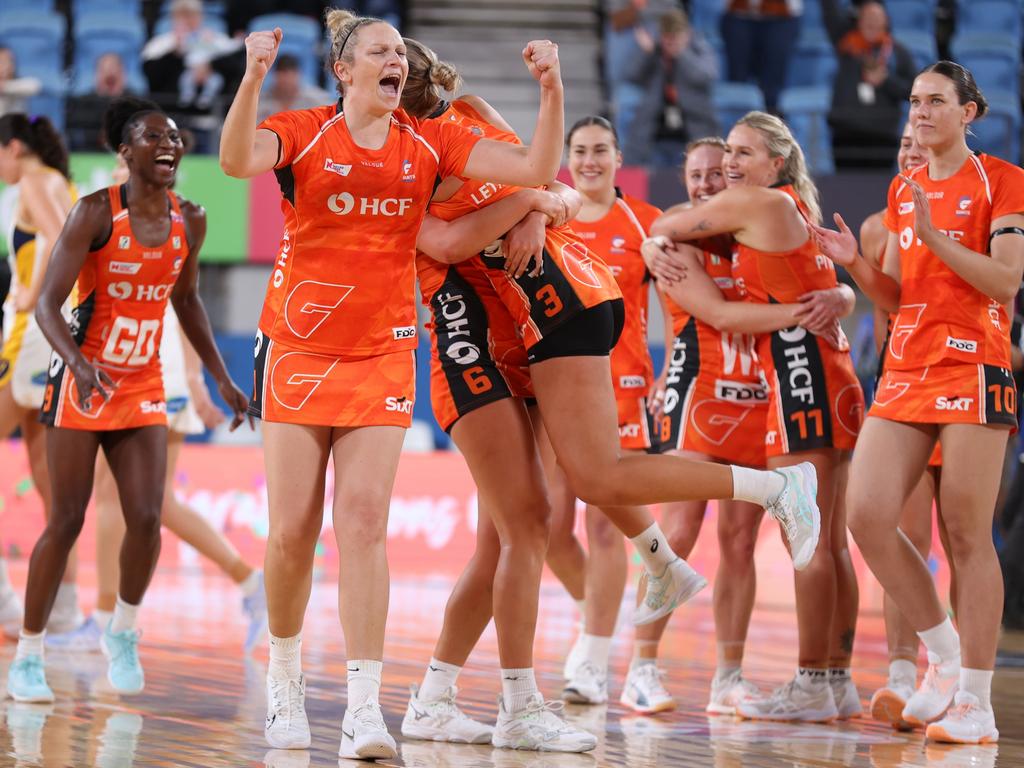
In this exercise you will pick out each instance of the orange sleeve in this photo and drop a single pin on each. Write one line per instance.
(889, 219)
(1007, 190)
(454, 145)
(294, 129)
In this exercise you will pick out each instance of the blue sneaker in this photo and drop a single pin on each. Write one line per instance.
(796, 510)
(26, 681)
(85, 638)
(122, 651)
(255, 607)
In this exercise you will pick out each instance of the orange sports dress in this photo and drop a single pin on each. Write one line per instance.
(573, 278)
(337, 336)
(616, 237)
(715, 399)
(122, 291)
(948, 356)
(814, 397)
(477, 356)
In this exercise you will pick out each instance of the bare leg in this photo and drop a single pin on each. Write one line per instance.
(607, 568)
(565, 557)
(844, 619)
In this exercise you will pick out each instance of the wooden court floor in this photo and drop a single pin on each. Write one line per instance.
(204, 702)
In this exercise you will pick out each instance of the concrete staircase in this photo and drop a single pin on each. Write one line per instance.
(485, 39)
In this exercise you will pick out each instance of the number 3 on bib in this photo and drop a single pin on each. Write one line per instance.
(131, 342)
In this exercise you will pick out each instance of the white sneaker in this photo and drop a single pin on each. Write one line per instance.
(442, 720)
(796, 510)
(643, 691)
(287, 726)
(84, 639)
(364, 735)
(538, 728)
(792, 703)
(887, 704)
(967, 722)
(729, 690)
(11, 614)
(844, 692)
(933, 697)
(573, 659)
(676, 584)
(588, 686)
(64, 618)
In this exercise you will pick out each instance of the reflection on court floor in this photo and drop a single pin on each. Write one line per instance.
(204, 702)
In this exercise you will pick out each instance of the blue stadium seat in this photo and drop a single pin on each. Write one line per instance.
(922, 47)
(911, 16)
(1001, 16)
(733, 100)
(99, 33)
(705, 16)
(384, 9)
(34, 5)
(993, 59)
(49, 103)
(813, 63)
(301, 39)
(806, 111)
(36, 38)
(998, 133)
(216, 23)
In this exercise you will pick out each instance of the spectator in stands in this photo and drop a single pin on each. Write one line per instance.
(14, 91)
(624, 21)
(759, 37)
(871, 86)
(677, 72)
(183, 61)
(85, 112)
(288, 91)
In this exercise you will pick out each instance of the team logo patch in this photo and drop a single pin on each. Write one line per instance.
(124, 242)
(579, 265)
(124, 267)
(177, 264)
(176, 242)
(476, 130)
(407, 174)
(963, 207)
(339, 168)
(618, 243)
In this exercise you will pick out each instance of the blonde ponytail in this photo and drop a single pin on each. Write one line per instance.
(780, 143)
(428, 78)
(343, 26)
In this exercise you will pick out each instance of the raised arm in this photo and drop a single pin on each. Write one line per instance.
(882, 288)
(537, 164)
(48, 216)
(192, 314)
(245, 151)
(722, 214)
(87, 224)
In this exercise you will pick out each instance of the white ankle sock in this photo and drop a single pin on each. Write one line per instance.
(838, 673)
(942, 640)
(596, 650)
(809, 678)
(125, 616)
(102, 618)
(756, 485)
(30, 644)
(285, 657)
(439, 677)
(903, 671)
(250, 583)
(364, 681)
(654, 550)
(518, 686)
(979, 683)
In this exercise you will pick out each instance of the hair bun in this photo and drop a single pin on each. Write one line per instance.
(445, 75)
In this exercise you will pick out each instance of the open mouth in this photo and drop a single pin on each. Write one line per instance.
(391, 85)
(165, 160)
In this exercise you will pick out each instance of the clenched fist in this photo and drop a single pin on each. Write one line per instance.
(260, 52)
(541, 57)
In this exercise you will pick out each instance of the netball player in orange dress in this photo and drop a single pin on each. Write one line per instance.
(953, 261)
(612, 225)
(916, 522)
(335, 370)
(815, 401)
(131, 248)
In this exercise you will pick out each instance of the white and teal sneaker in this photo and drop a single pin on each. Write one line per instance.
(26, 681)
(796, 510)
(254, 606)
(666, 592)
(122, 651)
(83, 639)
